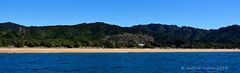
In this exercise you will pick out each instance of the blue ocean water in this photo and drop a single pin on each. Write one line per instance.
(121, 63)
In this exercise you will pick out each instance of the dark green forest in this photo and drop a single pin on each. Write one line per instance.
(106, 35)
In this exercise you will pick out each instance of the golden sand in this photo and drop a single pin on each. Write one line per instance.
(100, 50)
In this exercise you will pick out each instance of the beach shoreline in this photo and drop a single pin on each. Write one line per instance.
(106, 50)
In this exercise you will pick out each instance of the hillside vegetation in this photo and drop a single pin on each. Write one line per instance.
(105, 35)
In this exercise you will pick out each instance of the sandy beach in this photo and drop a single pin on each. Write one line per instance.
(100, 50)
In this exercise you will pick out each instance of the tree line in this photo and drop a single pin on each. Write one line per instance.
(105, 35)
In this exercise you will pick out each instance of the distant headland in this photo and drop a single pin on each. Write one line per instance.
(104, 35)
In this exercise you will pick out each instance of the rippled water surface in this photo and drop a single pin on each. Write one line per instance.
(120, 63)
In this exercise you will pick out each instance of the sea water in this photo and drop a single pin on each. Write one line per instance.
(218, 62)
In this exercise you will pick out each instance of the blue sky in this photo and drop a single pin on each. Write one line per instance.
(208, 14)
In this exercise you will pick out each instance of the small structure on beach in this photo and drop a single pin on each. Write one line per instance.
(141, 45)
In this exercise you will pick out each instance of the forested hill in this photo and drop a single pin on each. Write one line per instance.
(101, 34)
